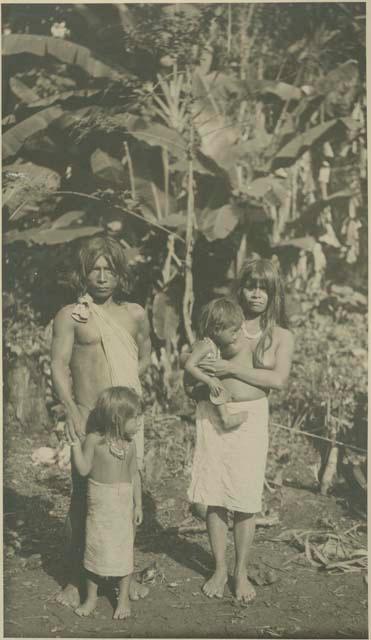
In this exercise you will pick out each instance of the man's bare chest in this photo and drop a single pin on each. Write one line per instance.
(88, 334)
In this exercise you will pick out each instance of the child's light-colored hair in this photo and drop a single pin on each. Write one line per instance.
(114, 407)
(217, 315)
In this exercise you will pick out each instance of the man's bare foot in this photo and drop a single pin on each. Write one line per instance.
(137, 590)
(87, 608)
(214, 587)
(123, 608)
(69, 596)
(244, 591)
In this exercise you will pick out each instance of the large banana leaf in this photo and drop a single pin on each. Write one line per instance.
(158, 135)
(15, 137)
(282, 90)
(24, 184)
(49, 236)
(287, 155)
(68, 218)
(218, 137)
(70, 97)
(22, 91)
(217, 224)
(107, 168)
(63, 50)
(164, 317)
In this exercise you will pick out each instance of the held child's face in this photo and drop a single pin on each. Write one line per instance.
(131, 427)
(228, 336)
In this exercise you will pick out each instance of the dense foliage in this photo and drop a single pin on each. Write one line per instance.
(196, 134)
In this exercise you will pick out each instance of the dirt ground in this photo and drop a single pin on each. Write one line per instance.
(294, 598)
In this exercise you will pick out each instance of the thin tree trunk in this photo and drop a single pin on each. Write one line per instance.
(188, 299)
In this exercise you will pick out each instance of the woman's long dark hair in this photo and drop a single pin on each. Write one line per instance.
(264, 272)
(90, 251)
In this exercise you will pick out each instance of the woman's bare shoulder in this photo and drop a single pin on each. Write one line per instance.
(282, 335)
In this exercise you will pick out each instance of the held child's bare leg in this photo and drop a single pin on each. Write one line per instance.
(231, 420)
(91, 597)
(123, 603)
(217, 528)
(243, 530)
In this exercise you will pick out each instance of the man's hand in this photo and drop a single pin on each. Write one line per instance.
(138, 515)
(75, 426)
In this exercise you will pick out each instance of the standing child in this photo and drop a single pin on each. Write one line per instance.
(114, 504)
(220, 335)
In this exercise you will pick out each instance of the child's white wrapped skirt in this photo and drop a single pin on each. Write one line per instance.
(109, 529)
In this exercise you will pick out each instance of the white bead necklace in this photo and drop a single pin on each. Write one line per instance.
(251, 336)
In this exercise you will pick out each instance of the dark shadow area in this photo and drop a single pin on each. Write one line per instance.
(152, 537)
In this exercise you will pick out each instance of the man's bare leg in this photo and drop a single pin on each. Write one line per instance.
(123, 602)
(217, 528)
(69, 596)
(91, 598)
(137, 590)
(243, 530)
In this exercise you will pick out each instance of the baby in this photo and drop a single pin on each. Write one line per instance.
(220, 335)
(114, 501)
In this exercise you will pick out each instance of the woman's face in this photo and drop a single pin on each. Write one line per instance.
(131, 427)
(255, 296)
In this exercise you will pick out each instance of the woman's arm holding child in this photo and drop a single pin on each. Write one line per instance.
(137, 487)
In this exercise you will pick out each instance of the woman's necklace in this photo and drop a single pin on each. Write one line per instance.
(251, 336)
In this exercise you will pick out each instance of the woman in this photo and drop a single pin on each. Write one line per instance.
(228, 469)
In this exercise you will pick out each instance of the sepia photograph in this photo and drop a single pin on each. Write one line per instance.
(185, 297)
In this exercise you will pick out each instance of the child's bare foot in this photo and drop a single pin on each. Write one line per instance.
(244, 591)
(214, 587)
(137, 590)
(123, 608)
(87, 608)
(69, 596)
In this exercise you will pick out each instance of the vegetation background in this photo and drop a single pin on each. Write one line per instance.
(196, 135)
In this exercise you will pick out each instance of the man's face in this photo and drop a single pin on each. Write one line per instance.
(102, 280)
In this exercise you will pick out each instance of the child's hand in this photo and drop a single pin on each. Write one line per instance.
(71, 435)
(215, 387)
(138, 515)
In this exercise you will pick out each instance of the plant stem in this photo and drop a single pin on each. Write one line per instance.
(188, 299)
(131, 171)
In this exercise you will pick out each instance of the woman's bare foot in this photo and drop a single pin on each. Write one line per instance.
(214, 587)
(137, 590)
(123, 608)
(244, 591)
(87, 608)
(69, 596)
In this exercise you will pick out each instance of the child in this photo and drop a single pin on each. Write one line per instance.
(220, 335)
(114, 504)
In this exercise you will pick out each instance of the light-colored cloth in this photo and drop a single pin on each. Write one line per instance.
(109, 529)
(121, 351)
(229, 466)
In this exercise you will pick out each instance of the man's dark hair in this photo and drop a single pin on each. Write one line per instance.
(90, 251)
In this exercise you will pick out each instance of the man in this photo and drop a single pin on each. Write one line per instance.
(99, 342)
